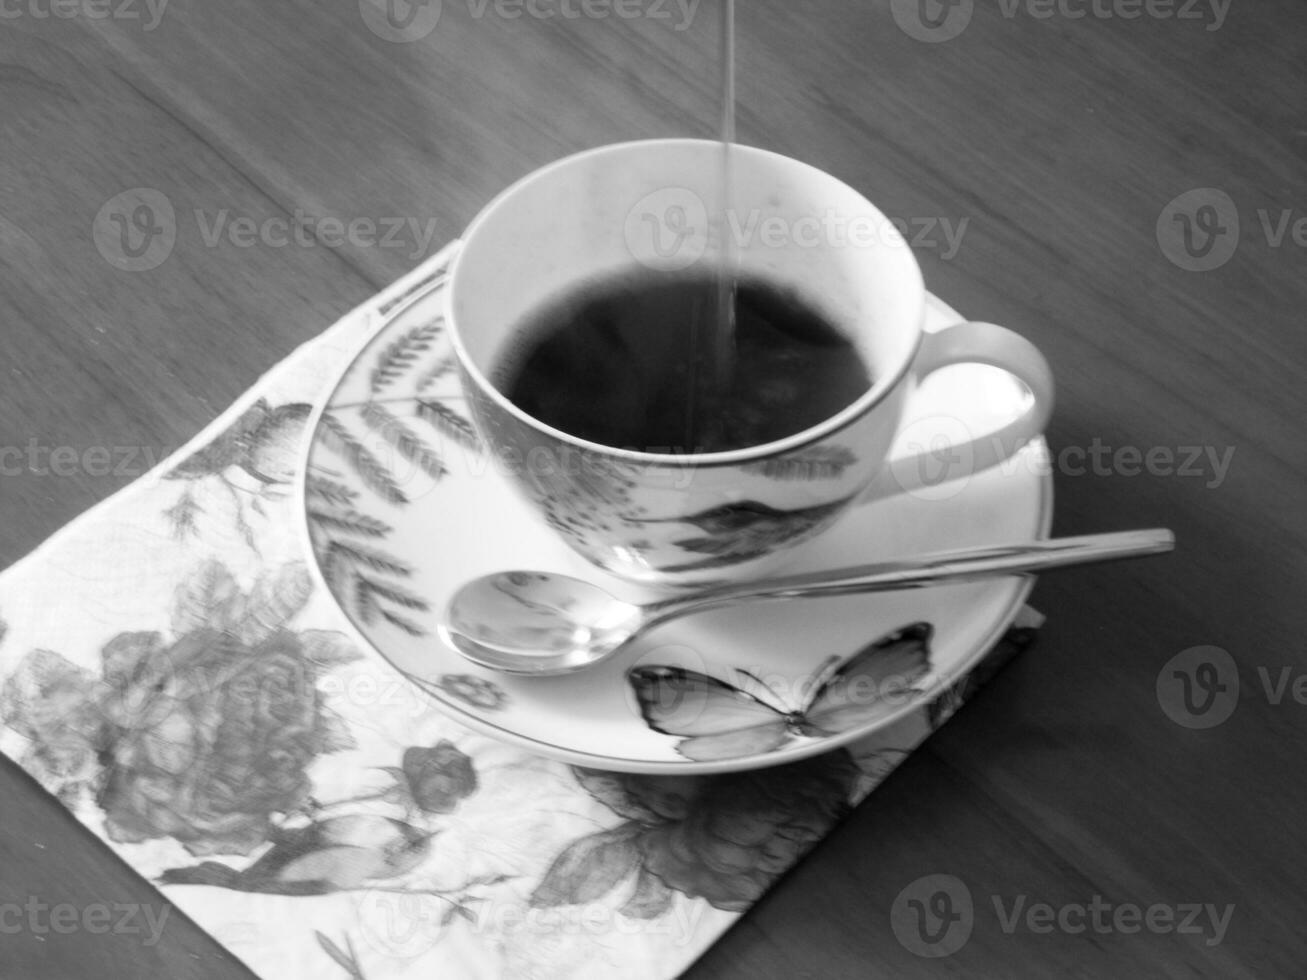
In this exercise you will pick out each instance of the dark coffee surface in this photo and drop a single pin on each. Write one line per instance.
(631, 362)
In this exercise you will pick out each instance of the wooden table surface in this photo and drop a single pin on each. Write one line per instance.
(1062, 141)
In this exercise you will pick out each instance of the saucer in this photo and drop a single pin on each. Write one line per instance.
(402, 506)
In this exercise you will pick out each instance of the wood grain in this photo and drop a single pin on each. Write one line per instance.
(1060, 141)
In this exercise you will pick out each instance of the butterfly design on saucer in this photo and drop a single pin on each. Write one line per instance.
(715, 719)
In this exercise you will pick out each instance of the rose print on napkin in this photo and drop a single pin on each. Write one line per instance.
(202, 737)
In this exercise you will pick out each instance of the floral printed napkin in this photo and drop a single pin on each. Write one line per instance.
(168, 670)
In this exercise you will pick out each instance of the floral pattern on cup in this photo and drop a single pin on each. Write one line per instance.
(658, 520)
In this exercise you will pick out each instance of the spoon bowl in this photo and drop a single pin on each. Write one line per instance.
(537, 622)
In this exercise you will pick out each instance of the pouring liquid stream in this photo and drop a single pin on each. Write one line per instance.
(713, 334)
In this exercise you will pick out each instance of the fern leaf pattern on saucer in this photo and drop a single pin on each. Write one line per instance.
(362, 460)
(387, 449)
(364, 574)
(404, 352)
(410, 445)
(446, 365)
(330, 491)
(449, 422)
(351, 522)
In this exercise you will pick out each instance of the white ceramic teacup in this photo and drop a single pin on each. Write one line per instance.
(687, 518)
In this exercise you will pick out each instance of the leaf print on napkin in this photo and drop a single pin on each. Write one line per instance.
(273, 449)
(264, 443)
(589, 868)
(275, 600)
(209, 598)
(227, 449)
(651, 899)
(183, 515)
(347, 960)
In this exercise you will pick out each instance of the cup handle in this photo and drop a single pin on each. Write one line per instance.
(973, 343)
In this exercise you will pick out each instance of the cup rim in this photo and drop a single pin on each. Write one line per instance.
(881, 388)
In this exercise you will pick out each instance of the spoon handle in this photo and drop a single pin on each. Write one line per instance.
(914, 573)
